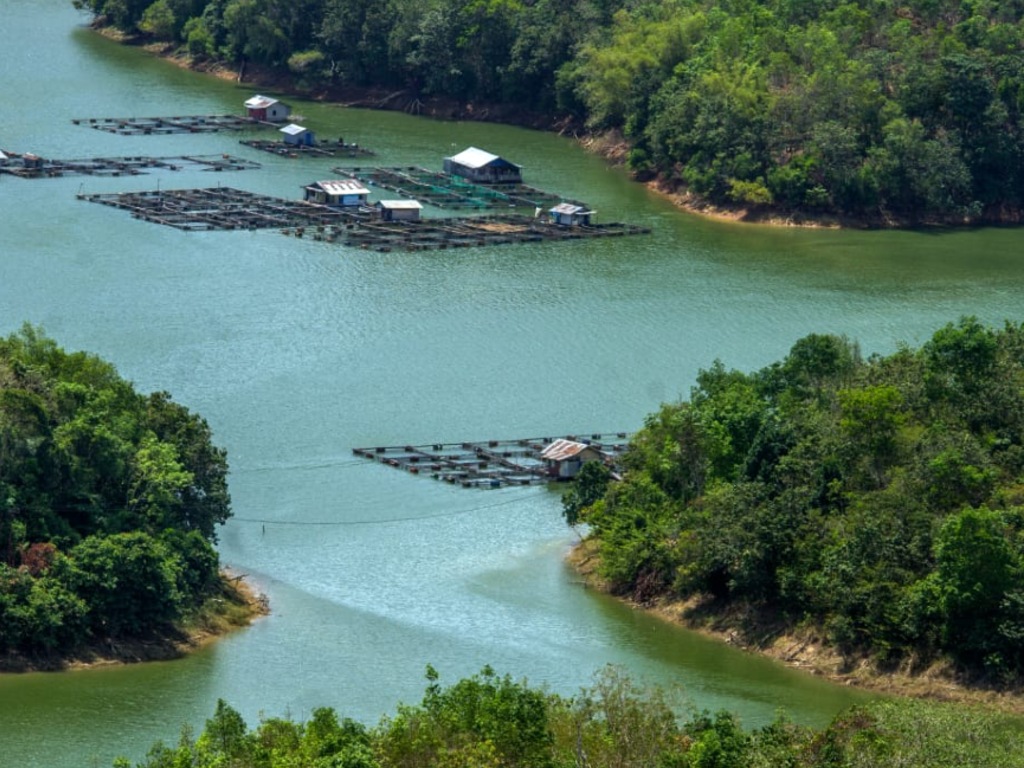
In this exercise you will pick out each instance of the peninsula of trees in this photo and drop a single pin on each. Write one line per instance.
(878, 502)
(881, 111)
(109, 503)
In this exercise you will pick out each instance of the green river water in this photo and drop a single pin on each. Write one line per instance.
(297, 351)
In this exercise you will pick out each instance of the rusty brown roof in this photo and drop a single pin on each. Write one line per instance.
(563, 449)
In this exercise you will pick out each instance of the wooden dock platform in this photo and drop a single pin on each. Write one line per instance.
(27, 166)
(218, 208)
(462, 232)
(446, 191)
(281, 149)
(490, 463)
(162, 126)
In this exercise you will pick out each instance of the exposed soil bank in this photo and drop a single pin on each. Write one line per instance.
(805, 648)
(612, 146)
(235, 606)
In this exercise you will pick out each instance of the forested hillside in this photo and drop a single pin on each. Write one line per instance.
(879, 500)
(109, 502)
(883, 110)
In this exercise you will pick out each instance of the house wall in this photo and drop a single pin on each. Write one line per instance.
(569, 468)
(486, 175)
(299, 139)
(276, 112)
(566, 469)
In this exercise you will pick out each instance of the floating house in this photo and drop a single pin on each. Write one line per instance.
(344, 193)
(564, 458)
(569, 215)
(399, 210)
(298, 136)
(267, 110)
(482, 167)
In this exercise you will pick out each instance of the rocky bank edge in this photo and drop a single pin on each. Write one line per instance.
(804, 648)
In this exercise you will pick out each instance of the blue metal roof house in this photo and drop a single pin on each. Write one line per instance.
(482, 167)
(297, 135)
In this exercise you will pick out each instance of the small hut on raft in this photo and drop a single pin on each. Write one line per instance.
(482, 167)
(267, 110)
(344, 193)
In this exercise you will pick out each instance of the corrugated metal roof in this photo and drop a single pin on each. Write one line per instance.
(293, 130)
(400, 205)
(342, 187)
(563, 449)
(474, 158)
(260, 102)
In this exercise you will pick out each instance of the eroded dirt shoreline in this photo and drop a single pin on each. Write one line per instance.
(804, 649)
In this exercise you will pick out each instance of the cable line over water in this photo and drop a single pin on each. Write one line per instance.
(268, 521)
(326, 464)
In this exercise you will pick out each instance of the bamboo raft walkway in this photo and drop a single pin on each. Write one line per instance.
(222, 208)
(490, 463)
(162, 126)
(446, 191)
(32, 167)
(303, 150)
(465, 232)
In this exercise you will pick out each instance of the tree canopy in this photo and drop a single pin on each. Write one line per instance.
(877, 109)
(879, 499)
(109, 502)
(492, 721)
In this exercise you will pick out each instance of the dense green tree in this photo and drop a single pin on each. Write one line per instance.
(203, 502)
(877, 499)
(224, 735)
(978, 567)
(109, 502)
(40, 611)
(129, 582)
(588, 487)
(615, 722)
(484, 719)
